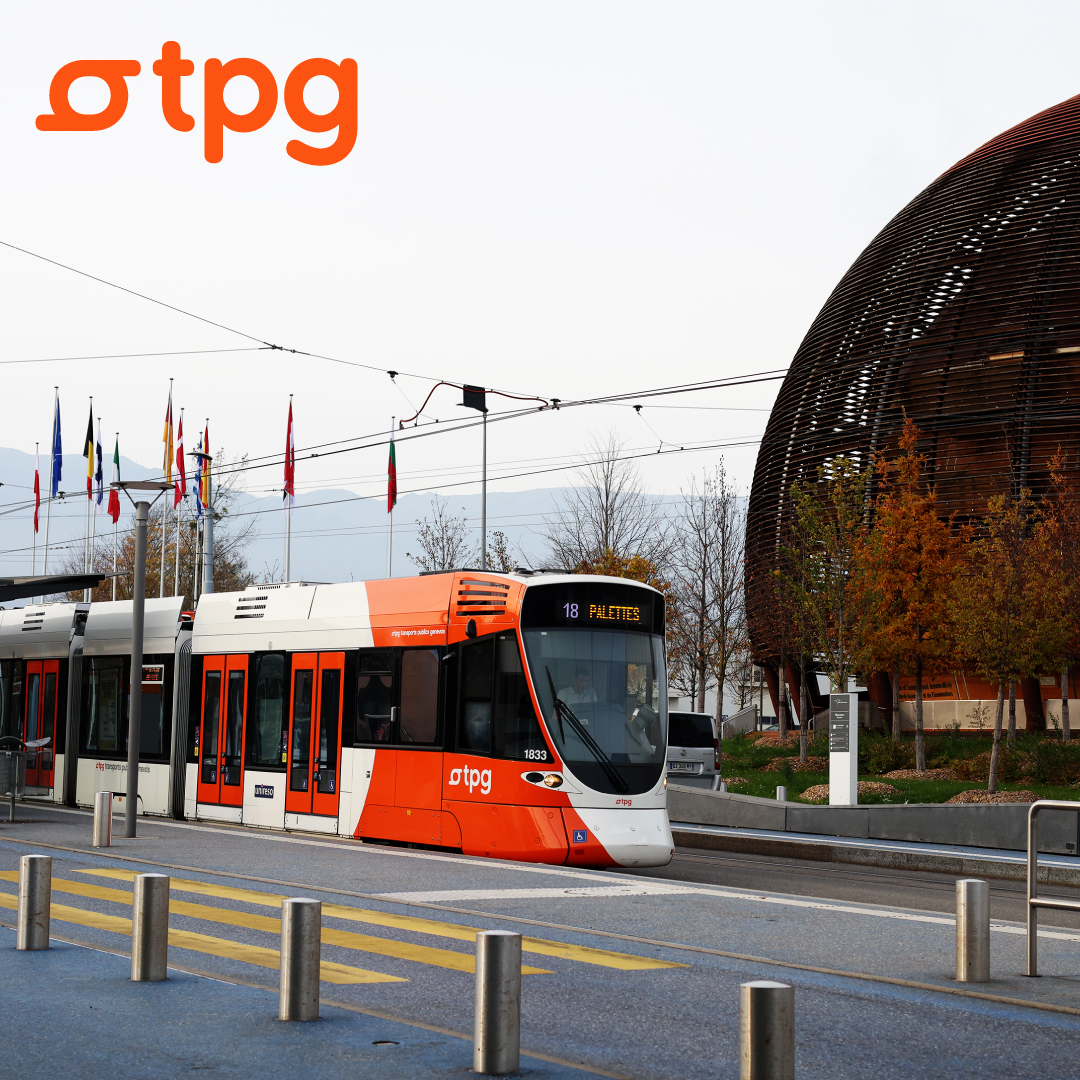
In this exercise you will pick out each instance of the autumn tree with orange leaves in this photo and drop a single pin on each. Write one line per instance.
(1062, 517)
(908, 562)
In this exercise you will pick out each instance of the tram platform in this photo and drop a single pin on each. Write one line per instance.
(628, 974)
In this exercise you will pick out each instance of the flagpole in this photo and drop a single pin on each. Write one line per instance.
(390, 536)
(37, 477)
(89, 488)
(166, 475)
(52, 481)
(288, 505)
(115, 523)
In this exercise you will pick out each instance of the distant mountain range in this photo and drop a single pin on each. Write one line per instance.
(336, 535)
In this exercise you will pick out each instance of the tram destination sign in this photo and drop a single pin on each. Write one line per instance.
(593, 604)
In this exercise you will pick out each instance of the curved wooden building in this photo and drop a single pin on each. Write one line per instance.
(964, 312)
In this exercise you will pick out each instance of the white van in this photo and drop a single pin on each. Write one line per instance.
(693, 745)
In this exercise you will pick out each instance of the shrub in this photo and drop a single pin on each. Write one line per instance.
(878, 754)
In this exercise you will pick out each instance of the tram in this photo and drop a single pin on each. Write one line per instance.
(515, 716)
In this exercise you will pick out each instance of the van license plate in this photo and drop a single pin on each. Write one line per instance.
(680, 766)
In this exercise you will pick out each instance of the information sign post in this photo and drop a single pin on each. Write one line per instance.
(843, 749)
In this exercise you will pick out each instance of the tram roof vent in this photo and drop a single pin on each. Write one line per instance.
(250, 607)
(33, 620)
(478, 597)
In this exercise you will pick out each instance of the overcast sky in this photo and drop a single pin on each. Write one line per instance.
(554, 198)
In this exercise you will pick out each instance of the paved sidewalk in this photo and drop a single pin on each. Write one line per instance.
(634, 975)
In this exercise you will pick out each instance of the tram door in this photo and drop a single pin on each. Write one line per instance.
(315, 738)
(39, 719)
(220, 750)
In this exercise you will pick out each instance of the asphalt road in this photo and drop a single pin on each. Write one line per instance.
(920, 889)
(630, 975)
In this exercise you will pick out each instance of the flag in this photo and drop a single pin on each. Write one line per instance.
(57, 452)
(99, 474)
(290, 464)
(204, 485)
(114, 492)
(181, 484)
(391, 478)
(88, 452)
(166, 438)
(37, 488)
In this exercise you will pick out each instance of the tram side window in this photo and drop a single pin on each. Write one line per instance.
(104, 705)
(419, 696)
(496, 714)
(10, 696)
(268, 739)
(374, 696)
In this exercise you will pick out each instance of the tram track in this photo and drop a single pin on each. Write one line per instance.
(808, 868)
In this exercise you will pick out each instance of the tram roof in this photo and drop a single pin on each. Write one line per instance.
(38, 630)
(108, 627)
(318, 617)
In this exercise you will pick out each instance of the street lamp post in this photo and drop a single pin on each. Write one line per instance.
(475, 397)
(138, 613)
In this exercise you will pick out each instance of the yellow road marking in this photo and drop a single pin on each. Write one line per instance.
(581, 953)
(203, 943)
(399, 950)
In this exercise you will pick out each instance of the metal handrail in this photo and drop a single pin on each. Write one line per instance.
(1033, 900)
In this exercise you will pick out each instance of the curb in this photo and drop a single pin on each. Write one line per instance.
(893, 859)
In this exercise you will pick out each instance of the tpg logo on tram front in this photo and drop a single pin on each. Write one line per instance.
(472, 778)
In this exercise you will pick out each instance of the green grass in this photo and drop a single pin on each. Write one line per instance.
(1039, 763)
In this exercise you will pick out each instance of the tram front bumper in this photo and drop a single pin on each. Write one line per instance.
(627, 837)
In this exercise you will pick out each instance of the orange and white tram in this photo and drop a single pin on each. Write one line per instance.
(517, 716)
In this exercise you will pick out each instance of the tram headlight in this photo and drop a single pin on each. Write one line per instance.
(553, 780)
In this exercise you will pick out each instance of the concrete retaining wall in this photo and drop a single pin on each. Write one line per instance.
(988, 825)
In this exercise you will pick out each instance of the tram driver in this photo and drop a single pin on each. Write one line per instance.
(580, 691)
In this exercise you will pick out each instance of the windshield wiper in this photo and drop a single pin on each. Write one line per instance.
(561, 710)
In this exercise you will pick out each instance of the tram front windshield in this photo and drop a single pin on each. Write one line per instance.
(604, 698)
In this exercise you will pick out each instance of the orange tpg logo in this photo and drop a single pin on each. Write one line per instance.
(217, 116)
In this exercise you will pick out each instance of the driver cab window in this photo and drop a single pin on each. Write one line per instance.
(496, 713)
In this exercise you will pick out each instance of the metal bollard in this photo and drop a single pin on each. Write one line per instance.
(150, 929)
(301, 952)
(781, 793)
(103, 819)
(723, 786)
(766, 1031)
(497, 1021)
(35, 900)
(972, 930)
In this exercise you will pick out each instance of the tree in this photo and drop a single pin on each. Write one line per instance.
(706, 567)
(822, 570)
(499, 558)
(607, 513)
(907, 564)
(233, 534)
(1062, 515)
(443, 540)
(1006, 602)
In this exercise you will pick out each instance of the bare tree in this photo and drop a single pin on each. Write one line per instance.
(707, 574)
(233, 534)
(443, 540)
(499, 557)
(608, 514)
